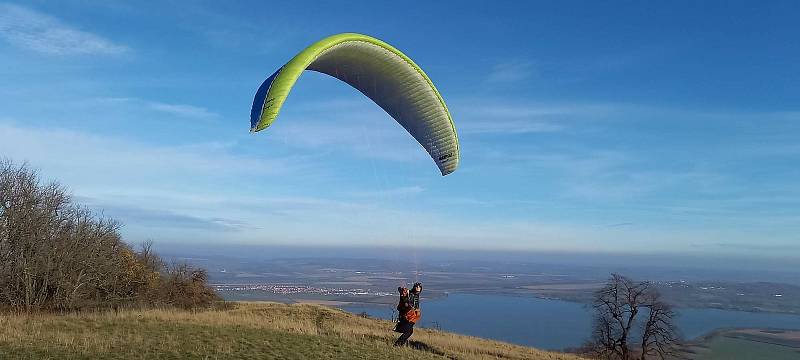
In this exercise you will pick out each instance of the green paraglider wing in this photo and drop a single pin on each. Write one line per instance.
(380, 72)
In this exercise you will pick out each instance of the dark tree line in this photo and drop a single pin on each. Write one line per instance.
(57, 255)
(632, 322)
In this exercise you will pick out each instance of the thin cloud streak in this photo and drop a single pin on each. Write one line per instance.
(33, 30)
(514, 119)
(179, 110)
(182, 110)
(146, 217)
(508, 127)
(511, 71)
(393, 192)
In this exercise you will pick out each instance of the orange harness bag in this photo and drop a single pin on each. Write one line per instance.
(413, 316)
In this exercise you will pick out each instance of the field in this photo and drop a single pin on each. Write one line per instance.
(244, 331)
(748, 344)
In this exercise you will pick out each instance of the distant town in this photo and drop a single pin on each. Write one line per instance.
(289, 289)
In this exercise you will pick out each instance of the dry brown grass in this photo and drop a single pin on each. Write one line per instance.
(246, 330)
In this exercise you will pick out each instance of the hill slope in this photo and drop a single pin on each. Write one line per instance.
(247, 330)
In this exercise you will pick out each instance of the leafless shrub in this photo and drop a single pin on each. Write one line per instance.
(186, 287)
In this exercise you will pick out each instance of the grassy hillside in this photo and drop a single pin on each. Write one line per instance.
(246, 330)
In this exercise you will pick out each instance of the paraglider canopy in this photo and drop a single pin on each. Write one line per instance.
(382, 73)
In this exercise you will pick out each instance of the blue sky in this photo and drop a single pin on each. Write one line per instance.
(617, 127)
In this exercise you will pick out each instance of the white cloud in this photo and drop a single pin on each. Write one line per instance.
(39, 32)
(150, 187)
(171, 193)
(94, 159)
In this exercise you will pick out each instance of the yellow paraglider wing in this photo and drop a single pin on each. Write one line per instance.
(380, 72)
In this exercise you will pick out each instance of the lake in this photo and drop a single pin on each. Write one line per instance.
(555, 324)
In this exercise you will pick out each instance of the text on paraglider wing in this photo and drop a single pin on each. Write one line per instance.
(445, 156)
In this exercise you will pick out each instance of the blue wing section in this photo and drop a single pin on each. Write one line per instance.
(261, 97)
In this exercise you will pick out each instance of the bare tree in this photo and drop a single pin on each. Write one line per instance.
(660, 337)
(617, 308)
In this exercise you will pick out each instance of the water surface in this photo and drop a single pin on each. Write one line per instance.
(555, 324)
